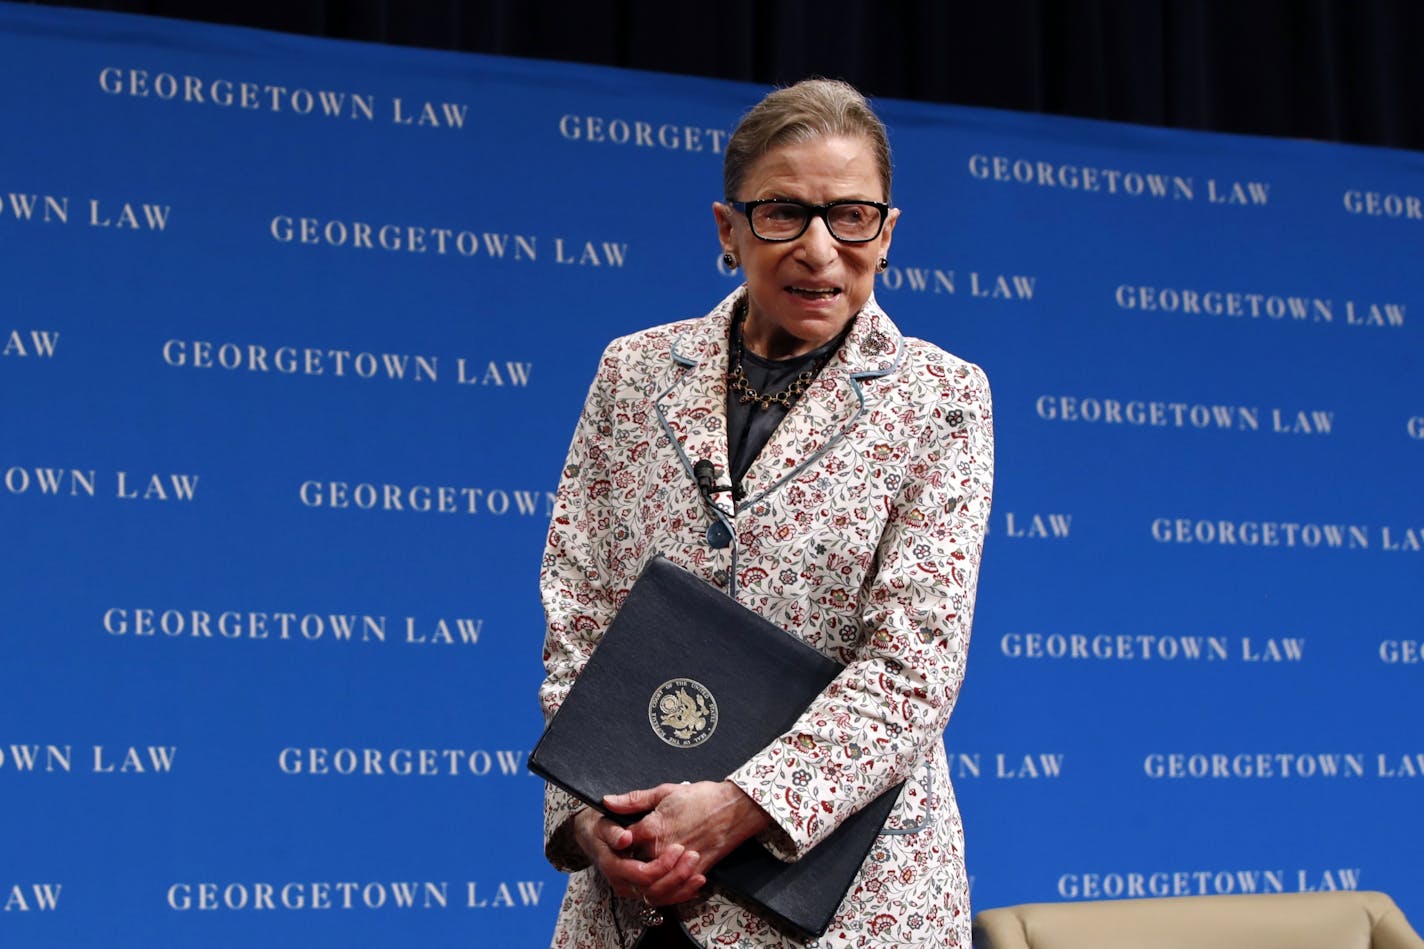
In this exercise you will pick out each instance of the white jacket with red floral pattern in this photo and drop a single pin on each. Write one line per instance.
(860, 531)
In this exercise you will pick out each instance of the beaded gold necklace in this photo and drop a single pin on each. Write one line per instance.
(737, 378)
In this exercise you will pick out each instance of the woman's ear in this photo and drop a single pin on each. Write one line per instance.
(890, 219)
(723, 214)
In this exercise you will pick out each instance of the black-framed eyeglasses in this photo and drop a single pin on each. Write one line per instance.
(784, 219)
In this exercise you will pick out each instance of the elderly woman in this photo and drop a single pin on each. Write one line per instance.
(860, 463)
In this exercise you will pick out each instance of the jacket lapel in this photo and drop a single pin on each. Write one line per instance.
(830, 406)
(693, 409)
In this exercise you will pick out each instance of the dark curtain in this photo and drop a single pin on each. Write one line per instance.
(1339, 70)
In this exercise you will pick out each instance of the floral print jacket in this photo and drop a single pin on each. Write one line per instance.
(860, 530)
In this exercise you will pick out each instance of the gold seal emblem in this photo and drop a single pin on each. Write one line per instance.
(683, 713)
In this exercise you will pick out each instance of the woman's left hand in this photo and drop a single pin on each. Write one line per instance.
(708, 817)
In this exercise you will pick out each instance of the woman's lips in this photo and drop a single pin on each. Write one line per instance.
(816, 293)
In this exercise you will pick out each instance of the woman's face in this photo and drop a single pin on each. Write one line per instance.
(802, 293)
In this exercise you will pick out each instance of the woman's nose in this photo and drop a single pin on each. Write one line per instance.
(817, 246)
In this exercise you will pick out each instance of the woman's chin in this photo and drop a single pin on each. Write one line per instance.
(798, 325)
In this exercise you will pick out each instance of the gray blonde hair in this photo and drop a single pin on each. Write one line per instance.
(810, 109)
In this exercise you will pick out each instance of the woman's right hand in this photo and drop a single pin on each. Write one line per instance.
(667, 879)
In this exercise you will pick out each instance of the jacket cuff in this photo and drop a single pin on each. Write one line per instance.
(560, 848)
(775, 838)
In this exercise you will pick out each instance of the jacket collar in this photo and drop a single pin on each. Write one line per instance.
(873, 347)
(694, 408)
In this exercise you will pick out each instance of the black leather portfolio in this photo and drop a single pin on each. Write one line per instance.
(686, 685)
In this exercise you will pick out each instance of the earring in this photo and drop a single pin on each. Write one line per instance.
(729, 261)
(882, 265)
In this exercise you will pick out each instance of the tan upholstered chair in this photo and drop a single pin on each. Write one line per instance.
(1332, 920)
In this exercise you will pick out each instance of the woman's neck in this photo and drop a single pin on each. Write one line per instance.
(773, 342)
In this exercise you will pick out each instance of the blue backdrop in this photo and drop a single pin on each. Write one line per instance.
(293, 335)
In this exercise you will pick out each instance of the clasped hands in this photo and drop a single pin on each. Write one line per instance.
(664, 857)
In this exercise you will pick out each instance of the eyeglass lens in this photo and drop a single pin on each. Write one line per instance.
(781, 220)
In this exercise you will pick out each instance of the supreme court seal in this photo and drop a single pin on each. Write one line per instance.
(683, 713)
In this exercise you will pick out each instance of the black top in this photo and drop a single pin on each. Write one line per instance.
(749, 426)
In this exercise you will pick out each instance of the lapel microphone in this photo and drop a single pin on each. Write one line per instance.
(718, 534)
(706, 474)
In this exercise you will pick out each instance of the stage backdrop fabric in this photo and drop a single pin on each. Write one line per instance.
(293, 335)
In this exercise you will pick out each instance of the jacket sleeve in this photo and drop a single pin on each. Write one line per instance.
(881, 717)
(575, 585)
